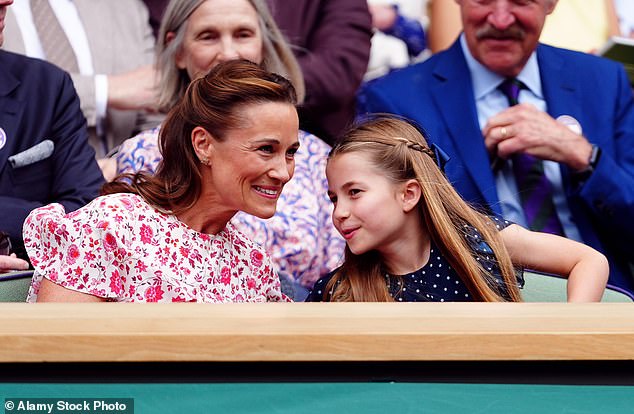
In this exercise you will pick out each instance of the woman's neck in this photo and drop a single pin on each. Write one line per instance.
(206, 216)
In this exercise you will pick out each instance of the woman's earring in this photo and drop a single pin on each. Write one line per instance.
(205, 161)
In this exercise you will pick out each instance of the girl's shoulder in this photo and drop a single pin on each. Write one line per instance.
(316, 294)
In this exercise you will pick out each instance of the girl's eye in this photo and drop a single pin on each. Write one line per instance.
(333, 198)
(354, 191)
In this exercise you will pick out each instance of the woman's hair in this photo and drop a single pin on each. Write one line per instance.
(214, 102)
(399, 151)
(276, 53)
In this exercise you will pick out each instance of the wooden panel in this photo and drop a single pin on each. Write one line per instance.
(315, 332)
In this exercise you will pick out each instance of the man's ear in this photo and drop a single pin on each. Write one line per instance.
(411, 194)
(203, 144)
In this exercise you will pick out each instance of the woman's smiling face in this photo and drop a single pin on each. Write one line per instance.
(251, 165)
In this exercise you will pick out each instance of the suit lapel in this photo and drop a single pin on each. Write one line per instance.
(452, 92)
(560, 88)
(10, 110)
(559, 84)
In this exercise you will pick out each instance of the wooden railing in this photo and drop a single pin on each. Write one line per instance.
(316, 332)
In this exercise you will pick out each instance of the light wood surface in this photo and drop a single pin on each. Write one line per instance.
(316, 332)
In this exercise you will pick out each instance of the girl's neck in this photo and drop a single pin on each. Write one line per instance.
(409, 253)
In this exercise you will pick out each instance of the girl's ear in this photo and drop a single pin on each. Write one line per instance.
(203, 144)
(411, 195)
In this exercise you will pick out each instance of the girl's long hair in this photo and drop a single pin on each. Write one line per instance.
(214, 102)
(399, 150)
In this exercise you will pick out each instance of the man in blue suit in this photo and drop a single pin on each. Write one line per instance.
(44, 152)
(575, 116)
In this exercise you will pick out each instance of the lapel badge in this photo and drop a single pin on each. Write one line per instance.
(3, 138)
(571, 123)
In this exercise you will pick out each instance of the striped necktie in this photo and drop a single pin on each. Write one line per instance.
(54, 42)
(535, 191)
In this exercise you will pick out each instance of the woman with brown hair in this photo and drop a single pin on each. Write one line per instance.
(229, 146)
(411, 237)
(195, 36)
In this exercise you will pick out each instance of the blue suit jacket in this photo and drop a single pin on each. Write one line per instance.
(38, 102)
(438, 94)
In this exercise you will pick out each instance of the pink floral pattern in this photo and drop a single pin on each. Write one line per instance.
(120, 248)
(300, 237)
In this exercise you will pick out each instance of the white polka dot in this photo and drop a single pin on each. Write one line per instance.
(455, 292)
(319, 292)
(417, 290)
(445, 289)
(442, 300)
(435, 286)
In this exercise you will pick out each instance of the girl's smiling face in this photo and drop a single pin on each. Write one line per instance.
(369, 209)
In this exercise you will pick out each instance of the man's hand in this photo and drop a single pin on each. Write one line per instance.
(525, 129)
(9, 263)
(134, 90)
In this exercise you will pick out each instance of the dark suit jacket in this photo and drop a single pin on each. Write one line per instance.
(438, 94)
(38, 102)
(331, 40)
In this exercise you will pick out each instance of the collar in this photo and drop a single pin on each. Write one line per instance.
(486, 81)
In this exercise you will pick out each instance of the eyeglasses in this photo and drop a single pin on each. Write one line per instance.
(5, 244)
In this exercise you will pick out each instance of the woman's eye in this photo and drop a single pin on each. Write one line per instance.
(291, 153)
(266, 148)
(244, 34)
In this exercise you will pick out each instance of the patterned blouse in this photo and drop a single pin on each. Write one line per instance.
(120, 248)
(300, 237)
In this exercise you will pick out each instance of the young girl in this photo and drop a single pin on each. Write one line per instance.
(411, 237)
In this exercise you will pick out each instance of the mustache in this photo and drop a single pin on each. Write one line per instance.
(514, 32)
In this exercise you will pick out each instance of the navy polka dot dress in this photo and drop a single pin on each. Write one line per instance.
(436, 281)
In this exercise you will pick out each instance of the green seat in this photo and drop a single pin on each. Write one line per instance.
(540, 287)
(14, 286)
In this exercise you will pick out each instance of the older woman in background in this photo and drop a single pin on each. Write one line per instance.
(229, 146)
(195, 36)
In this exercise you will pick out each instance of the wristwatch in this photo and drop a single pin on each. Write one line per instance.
(584, 174)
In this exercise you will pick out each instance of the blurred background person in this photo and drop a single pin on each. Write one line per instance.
(197, 35)
(44, 152)
(229, 146)
(399, 35)
(107, 47)
(583, 25)
(331, 40)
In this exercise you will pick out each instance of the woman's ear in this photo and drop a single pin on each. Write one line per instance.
(178, 56)
(203, 144)
(411, 195)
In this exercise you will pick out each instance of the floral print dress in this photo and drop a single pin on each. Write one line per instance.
(120, 248)
(300, 237)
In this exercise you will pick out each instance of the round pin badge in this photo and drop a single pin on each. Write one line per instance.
(3, 138)
(571, 123)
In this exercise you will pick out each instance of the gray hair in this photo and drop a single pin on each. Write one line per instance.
(277, 55)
